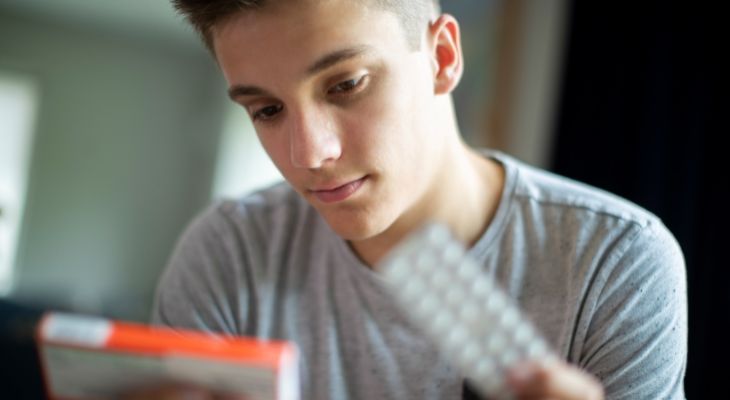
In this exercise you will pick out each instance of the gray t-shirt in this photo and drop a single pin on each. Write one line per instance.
(602, 279)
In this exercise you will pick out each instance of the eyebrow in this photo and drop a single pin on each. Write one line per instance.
(327, 61)
(337, 57)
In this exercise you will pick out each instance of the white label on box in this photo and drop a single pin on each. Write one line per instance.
(75, 329)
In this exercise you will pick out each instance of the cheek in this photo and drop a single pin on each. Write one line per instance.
(382, 126)
(373, 141)
(406, 119)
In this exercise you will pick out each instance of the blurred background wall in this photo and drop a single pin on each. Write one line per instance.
(115, 131)
(127, 122)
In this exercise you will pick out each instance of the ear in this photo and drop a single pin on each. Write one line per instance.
(445, 53)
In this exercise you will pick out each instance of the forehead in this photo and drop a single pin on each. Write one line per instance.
(288, 36)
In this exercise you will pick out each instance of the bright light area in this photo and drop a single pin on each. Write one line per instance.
(243, 165)
(18, 98)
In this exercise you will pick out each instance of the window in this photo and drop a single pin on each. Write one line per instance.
(18, 100)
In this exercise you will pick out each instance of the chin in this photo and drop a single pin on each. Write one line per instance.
(355, 225)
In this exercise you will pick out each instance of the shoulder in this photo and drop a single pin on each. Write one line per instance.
(560, 208)
(583, 222)
(550, 190)
(225, 254)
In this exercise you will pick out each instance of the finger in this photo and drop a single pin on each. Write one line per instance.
(556, 380)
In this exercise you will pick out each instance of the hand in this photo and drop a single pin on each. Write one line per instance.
(553, 381)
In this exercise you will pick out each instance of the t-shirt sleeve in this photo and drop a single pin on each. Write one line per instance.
(637, 337)
(200, 287)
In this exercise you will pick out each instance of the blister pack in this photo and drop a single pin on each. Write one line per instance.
(461, 308)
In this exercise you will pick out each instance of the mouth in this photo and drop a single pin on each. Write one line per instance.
(339, 193)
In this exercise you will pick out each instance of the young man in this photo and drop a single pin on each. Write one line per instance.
(351, 100)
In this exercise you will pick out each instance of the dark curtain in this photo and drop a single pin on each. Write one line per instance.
(639, 115)
(20, 371)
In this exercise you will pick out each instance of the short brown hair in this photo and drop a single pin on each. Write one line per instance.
(205, 14)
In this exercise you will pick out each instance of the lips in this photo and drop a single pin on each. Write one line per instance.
(339, 193)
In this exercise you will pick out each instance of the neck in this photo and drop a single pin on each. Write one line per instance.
(463, 195)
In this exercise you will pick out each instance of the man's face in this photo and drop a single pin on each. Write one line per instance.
(342, 105)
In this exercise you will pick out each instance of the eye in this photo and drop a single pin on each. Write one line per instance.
(348, 86)
(267, 113)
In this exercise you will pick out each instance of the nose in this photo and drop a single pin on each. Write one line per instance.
(313, 140)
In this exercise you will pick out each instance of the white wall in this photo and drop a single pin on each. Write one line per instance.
(125, 147)
(18, 100)
(536, 96)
